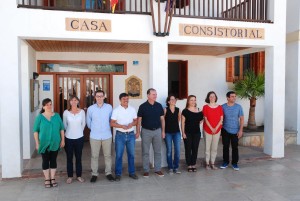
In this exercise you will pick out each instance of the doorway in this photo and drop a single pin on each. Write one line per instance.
(84, 87)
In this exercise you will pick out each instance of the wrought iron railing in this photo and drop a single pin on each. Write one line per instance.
(240, 10)
(101, 6)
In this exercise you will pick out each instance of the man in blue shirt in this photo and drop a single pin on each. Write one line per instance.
(151, 118)
(232, 130)
(98, 120)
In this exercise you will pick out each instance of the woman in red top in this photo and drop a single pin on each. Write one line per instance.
(213, 118)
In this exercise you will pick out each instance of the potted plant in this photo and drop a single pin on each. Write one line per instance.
(251, 87)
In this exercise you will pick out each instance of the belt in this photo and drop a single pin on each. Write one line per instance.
(151, 129)
(126, 133)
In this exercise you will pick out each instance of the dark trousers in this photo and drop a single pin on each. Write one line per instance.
(228, 138)
(74, 146)
(49, 160)
(191, 144)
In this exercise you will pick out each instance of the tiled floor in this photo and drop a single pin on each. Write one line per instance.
(259, 179)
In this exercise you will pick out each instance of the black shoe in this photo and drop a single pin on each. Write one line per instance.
(133, 176)
(109, 177)
(118, 178)
(93, 179)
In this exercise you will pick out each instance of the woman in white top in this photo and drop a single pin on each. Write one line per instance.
(74, 122)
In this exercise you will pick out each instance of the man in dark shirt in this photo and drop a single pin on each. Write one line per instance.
(151, 118)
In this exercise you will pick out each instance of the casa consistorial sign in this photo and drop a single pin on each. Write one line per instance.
(88, 25)
(221, 31)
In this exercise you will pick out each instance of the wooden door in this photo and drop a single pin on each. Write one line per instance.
(84, 87)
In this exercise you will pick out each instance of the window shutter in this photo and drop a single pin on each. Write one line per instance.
(183, 79)
(229, 69)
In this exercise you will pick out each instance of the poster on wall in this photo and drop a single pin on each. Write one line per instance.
(46, 85)
(34, 94)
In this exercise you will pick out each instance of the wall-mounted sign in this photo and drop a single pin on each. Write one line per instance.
(133, 87)
(221, 31)
(46, 85)
(88, 25)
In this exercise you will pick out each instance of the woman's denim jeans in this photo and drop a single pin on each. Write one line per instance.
(176, 139)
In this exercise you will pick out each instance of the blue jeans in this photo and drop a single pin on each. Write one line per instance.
(122, 140)
(176, 138)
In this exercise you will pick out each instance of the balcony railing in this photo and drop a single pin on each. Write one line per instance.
(238, 10)
(101, 6)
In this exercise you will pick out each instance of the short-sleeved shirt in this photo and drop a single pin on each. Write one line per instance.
(213, 116)
(49, 132)
(151, 115)
(124, 116)
(232, 114)
(192, 121)
(98, 120)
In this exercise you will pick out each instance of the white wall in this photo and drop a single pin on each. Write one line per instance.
(292, 98)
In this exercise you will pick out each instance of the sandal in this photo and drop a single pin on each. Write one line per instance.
(47, 183)
(207, 167)
(80, 179)
(190, 169)
(54, 184)
(194, 169)
(213, 167)
(69, 180)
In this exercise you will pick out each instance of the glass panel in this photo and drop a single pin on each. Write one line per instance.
(104, 68)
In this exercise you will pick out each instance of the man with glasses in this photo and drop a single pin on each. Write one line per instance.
(98, 120)
(124, 118)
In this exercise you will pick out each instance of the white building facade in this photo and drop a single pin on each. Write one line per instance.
(27, 37)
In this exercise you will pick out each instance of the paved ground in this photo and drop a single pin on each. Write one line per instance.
(260, 178)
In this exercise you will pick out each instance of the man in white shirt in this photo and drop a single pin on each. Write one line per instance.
(124, 118)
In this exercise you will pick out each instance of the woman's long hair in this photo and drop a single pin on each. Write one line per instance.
(71, 97)
(188, 100)
(45, 102)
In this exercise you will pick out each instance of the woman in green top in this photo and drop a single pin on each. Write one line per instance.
(49, 138)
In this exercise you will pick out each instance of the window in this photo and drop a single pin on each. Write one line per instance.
(82, 67)
(236, 66)
(178, 78)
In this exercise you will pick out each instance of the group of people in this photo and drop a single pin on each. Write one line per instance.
(153, 123)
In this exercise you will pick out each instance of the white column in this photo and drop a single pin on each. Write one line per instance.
(158, 78)
(10, 104)
(275, 85)
(298, 93)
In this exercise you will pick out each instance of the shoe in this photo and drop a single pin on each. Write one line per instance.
(146, 174)
(69, 180)
(207, 167)
(176, 171)
(109, 177)
(235, 167)
(194, 169)
(93, 179)
(118, 177)
(80, 179)
(133, 176)
(213, 167)
(190, 169)
(170, 171)
(47, 183)
(159, 173)
(224, 165)
(53, 183)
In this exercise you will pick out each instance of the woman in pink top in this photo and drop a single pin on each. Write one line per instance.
(213, 119)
